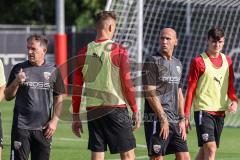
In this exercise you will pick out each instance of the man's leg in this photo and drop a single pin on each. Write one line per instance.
(200, 155)
(156, 145)
(0, 153)
(1, 137)
(20, 147)
(177, 145)
(156, 158)
(209, 128)
(129, 155)
(210, 149)
(207, 152)
(97, 156)
(182, 156)
(40, 146)
(119, 134)
(96, 140)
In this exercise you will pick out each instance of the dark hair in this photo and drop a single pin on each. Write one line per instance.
(216, 33)
(41, 38)
(103, 16)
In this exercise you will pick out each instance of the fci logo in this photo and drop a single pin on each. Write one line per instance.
(156, 148)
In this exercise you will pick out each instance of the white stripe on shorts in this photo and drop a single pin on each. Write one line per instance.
(154, 127)
(12, 155)
(200, 117)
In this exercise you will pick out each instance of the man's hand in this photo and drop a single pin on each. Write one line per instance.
(11, 91)
(77, 125)
(164, 132)
(182, 128)
(50, 128)
(187, 124)
(21, 76)
(136, 118)
(232, 108)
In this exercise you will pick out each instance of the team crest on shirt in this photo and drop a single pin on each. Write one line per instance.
(17, 144)
(205, 137)
(46, 75)
(178, 69)
(156, 148)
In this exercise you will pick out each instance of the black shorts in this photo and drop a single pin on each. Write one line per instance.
(1, 132)
(25, 141)
(209, 127)
(159, 147)
(110, 127)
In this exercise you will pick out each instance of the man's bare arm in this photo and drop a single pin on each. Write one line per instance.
(181, 114)
(11, 90)
(180, 103)
(2, 92)
(156, 106)
(51, 126)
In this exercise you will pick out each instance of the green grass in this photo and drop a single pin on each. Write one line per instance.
(66, 146)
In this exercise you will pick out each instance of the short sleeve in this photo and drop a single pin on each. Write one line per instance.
(13, 73)
(149, 73)
(58, 86)
(180, 85)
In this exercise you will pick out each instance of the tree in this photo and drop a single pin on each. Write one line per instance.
(77, 12)
(83, 11)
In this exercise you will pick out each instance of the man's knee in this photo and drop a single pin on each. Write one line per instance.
(156, 158)
(200, 154)
(129, 155)
(98, 156)
(210, 148)
(182, 156)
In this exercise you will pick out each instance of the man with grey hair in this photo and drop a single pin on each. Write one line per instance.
(37, 87)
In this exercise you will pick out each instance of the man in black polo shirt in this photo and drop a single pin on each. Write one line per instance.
(164, 117)
(37, 87)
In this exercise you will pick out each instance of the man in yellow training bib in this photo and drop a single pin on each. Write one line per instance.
(211, 92)
(103, 69)
(2, 87)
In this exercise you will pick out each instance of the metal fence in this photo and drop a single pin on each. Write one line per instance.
(13, 43)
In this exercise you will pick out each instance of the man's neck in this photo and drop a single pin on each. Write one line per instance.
(38, 63)
(167, 56)
(102, 35)
(213, 54)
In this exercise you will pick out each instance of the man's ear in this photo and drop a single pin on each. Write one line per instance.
(45, 50)
(110, 28)
(176, 42)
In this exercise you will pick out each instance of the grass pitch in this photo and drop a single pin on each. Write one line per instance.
(67, 146)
